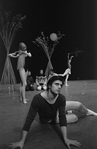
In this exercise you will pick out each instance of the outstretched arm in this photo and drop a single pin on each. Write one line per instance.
(30, 117)
(15, 55)
(67, 141)
(21, 142)
(63, 126)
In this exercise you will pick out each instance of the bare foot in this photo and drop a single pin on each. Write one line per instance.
(24, 101)
(90, 112)
(69, 112)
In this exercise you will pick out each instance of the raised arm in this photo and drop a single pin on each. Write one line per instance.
(71, 58)
(28, 54)
(15, 54)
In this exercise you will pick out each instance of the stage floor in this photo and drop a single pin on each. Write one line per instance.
(13, 114)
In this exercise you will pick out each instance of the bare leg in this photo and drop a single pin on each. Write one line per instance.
(75, 105)
(39, 88)
(71, 118)
(67, 76)
(21, 92)
(23, 84)
(90, 112)
(44, 87)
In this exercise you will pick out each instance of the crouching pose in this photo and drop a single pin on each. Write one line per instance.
(41, 81)
(46, 104)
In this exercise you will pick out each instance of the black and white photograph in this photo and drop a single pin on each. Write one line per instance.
(48, 74)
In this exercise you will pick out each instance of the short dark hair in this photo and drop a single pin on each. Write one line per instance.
(54, 78)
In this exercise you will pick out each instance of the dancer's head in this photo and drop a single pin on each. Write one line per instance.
(55, 83)
(29, 73)
(50, 73)
(41, 72)
(22, 46)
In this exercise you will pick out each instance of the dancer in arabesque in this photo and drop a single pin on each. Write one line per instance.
(21, 54)
(67, 71)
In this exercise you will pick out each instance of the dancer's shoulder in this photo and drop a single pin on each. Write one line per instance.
(62, 97)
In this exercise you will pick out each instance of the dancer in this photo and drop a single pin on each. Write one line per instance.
(68, 70)
(46, 105)
(51, 73)
(72, 106)
(21, 54)
(30, 81)
(41, 81)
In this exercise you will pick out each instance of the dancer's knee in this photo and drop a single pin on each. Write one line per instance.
(24, 83)
(79, 104)
(71, 118)
(45, 87)
(39, 88)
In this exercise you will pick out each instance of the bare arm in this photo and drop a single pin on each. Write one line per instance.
(71, 58)
(13, 55)
(28, 54)
(21, 142)
(37, 82)
(64, 132)
(24, 135)
(67, 141)
(30, 117)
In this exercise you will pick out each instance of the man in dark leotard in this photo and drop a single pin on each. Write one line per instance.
(46, 104)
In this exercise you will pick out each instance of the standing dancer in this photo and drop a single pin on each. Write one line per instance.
(21, 54)
(68, 70)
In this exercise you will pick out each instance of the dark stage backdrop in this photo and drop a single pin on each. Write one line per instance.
(76, 19)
